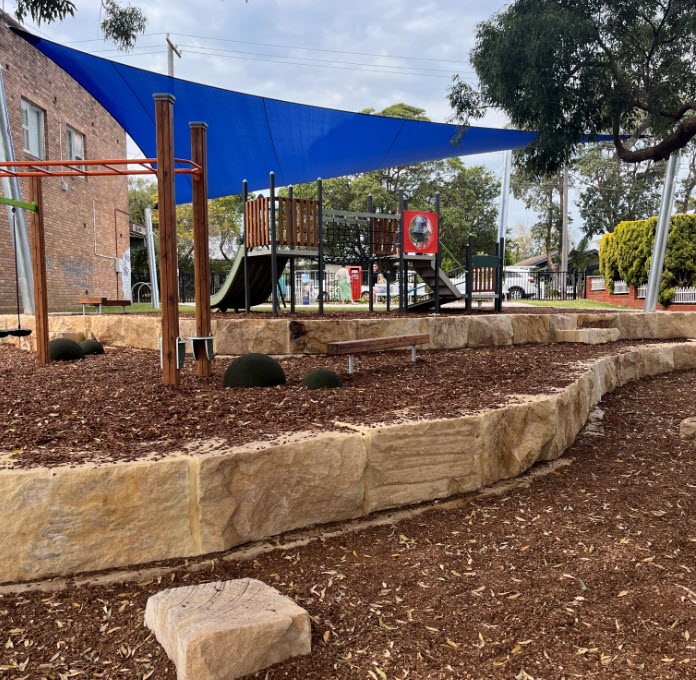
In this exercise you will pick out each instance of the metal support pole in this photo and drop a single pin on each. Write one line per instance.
(164, 117)
(247, 292)
(38, 242)
(151, 260)
(504, 194)
(321, 244)
(272, 226)
(438, 260)
(403, 290)
(499, 281)
(291, 229)
(469, 271)
(370, 242)
(657, 261)
(201, 254)
(10, 189)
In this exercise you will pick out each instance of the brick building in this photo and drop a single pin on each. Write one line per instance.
(85, 218)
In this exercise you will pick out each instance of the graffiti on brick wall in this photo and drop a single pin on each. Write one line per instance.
(77, 272)
(50, 263)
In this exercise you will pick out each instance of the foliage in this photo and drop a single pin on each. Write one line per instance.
(224, 220)
(543, 197)
(322, 378)
(120, 24)
(468, 196)
(626, 253)
(685, 200)
(613, 191)
(567, 68)
(254, 370)
(520, 242)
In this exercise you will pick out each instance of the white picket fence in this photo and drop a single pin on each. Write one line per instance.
(620, 288)
(597, 283)
(641, 291)
(684, 296)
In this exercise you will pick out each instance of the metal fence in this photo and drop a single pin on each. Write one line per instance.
(568, 285)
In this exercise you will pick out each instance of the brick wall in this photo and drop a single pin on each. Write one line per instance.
(70, 216)
(629, 299)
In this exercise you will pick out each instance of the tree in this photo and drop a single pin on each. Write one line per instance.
(520, 242)
(567, 68)
(612, 191)
(542, 196)
(120, 23)
(688, 183)
(625, 254)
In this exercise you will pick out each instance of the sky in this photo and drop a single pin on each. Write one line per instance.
(350, 55)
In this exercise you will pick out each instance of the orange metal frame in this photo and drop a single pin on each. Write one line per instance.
(74, 169)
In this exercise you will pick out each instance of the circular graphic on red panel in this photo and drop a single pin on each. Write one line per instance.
(420, 231)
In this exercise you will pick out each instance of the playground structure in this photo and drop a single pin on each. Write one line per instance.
(166, 167)
(278, 230)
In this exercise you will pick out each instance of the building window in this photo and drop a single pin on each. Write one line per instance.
(76, 146)
(33, 129)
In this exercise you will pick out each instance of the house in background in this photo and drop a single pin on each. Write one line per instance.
(541, 262)
(85, 218)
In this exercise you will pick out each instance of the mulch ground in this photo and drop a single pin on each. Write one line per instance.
(361, 312)
(588, 573)
(114, 407)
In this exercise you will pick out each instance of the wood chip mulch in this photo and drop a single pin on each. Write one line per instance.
(588, 573)
(114, 407)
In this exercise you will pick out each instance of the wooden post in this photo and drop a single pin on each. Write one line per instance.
(272, 226)
(164, 120)
(201, 256)
(38, 256)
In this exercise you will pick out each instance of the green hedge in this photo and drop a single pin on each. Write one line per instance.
(626, 253)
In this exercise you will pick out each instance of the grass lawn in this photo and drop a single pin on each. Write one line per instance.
(138, 308)
(575, 304)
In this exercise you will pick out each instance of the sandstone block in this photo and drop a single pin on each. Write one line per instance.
(684, 356)
(227, 629)
(110, 329)
(66, 520)
(311, 336)
(635, 325)
(143, 332)
(589, 336)
(655, 360)
(595, 320)
(528, 328)
(516, 436)
(488, 331)
(687, 428)
(247, 493)
(446, 332)
(267, 336)
(566, 322)
(420, 461)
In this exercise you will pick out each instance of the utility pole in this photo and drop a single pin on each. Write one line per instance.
(171, 49)
(564, 233)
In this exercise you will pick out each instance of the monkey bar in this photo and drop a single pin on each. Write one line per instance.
(77, 169)
(166, 168)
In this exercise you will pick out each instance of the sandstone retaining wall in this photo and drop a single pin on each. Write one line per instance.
(309, 336)
(211, 498)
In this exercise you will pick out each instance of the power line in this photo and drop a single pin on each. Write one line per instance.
(328, 61)
(319, 49)
(299, 63)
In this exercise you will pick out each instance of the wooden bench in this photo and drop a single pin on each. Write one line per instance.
(352, 347)
(100, 302)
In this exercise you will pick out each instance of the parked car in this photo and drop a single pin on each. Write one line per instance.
(519, 283)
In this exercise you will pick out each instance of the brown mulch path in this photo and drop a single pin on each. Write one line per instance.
(114, 407)
(588, 573)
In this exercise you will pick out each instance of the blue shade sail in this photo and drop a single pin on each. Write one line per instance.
(249, 136)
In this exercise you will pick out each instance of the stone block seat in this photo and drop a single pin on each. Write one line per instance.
(227, 629)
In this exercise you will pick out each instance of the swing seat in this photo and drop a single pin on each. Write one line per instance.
(4, 333)
(18, 332)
